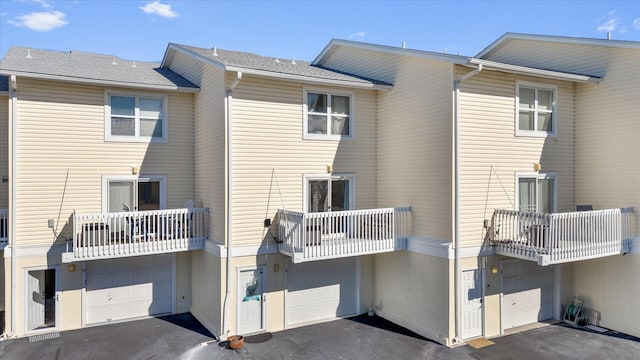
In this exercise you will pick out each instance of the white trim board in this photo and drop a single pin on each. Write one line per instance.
(444, 249)
(220, 251)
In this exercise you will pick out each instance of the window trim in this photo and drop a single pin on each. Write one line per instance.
(136, 138)
(554, 107)
(329, 92)
(328, 177)
(136, 178)
(537, 176)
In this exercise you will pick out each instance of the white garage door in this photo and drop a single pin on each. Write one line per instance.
(126, 288)
(527, 293)
(320, 290)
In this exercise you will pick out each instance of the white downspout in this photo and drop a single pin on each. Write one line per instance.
(456, 216)
(13, 88)
(229, 237)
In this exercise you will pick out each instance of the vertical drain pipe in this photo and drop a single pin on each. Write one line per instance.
(229, 237)
(456, 221)
(13, 88)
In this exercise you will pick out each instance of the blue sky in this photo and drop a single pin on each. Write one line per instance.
(140, 30)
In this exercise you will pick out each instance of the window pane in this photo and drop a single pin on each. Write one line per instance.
(545, 99)
(339, 195)
(149, 195)
(121, 196)
(317, 102)
(527, 194)
(339, 125)
(545, 195)
(151, 127)
(317, 124)
(123, 126)
(340, 105)
(526, 120)
(151, 108)
(544, 121)
(527, 98)
(318, 199)
(123, 105)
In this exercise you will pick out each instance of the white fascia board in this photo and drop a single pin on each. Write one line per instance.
(558, 39)
(524, 70)
(456, 59)
(309, 79)
(87, 81)
(192, 54)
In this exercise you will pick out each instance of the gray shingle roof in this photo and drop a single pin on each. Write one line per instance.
(245, 60)
(4, 83)
(82, 67)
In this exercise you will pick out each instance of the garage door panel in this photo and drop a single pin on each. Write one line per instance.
(119, 289)
(527, 293)
(320, 290)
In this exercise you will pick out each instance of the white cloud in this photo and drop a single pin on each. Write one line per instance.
(44, 4)
(159, 9)
(636, 23)
(611, 23)
(359, 34)
(41, 21)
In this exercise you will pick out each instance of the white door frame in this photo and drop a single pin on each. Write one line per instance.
(329, 177)
(482, 299)
(135, 179)
(263, 301)
(25, 301)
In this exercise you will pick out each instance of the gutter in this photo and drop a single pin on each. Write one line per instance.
(229, 237)
(456, 207)
(13, 90)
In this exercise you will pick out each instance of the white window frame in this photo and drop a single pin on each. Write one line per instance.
(137, 178)
(136, 137)
(328, 177)
(537, 176)
(554, 112)
(352, 99)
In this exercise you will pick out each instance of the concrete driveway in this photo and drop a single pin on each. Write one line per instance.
(179, 337)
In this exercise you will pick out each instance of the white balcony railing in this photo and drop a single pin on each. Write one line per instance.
(328, 235)
(134, 233)
(4, 227)
(561, 237)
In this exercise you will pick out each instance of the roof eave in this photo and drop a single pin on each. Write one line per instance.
(176, 47)
(310, 79)
(523, 70)
(456, 59)
(87, 81)
(557, 39)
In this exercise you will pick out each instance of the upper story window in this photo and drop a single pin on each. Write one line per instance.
(135, 118)
(536, 113)
(328, 115)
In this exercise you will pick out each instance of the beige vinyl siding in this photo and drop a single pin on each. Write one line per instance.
(61, 128)
(209, 140)
(414, 134)
(607, 122)
(367, 63)
(573, 58)
(414, 145)
(608, 135)
(491, 155)
(270, 156)
(4, 151)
